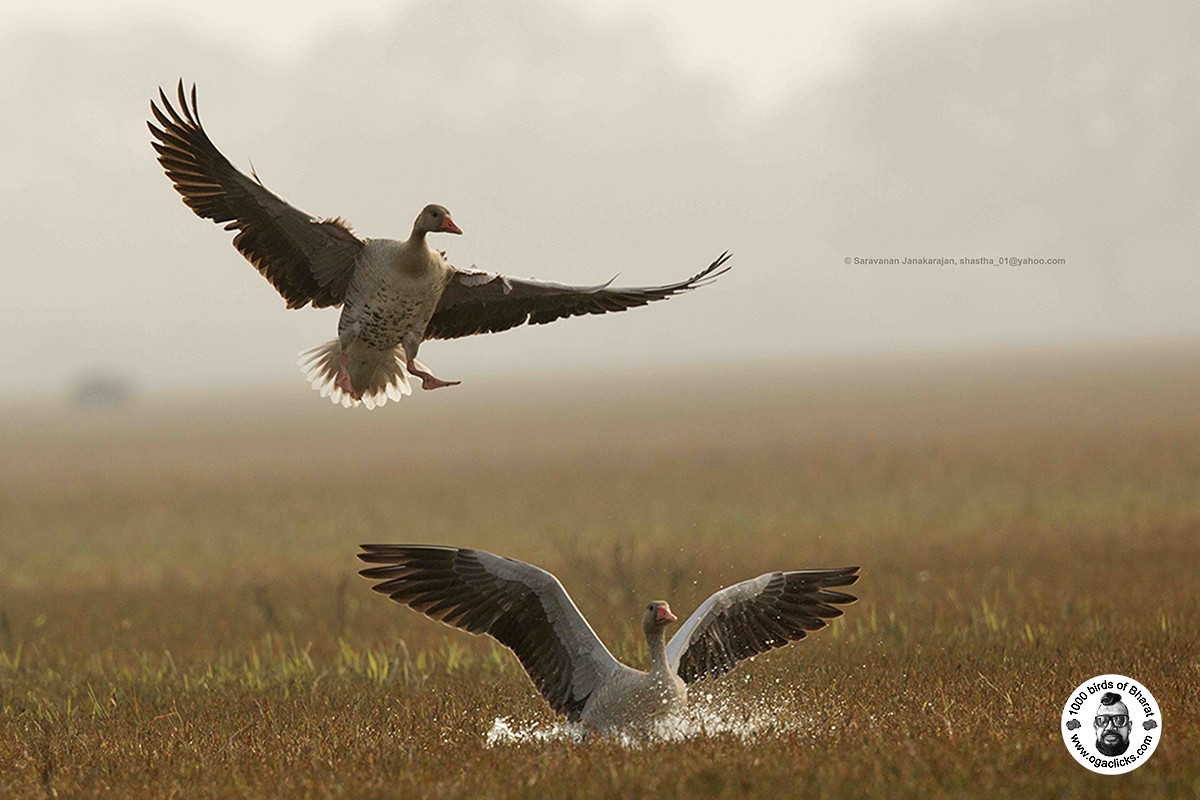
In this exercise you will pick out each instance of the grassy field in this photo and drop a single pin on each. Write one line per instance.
(180, 614)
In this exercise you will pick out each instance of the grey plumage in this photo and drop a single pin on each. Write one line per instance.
(523, 607)
(756, 616)
(528, 610)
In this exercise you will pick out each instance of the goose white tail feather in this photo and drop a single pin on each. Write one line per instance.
(382, 375)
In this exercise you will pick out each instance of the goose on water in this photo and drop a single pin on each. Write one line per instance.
(394, 295)
(527, 610)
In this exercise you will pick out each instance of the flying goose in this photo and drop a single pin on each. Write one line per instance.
(527, 610)
(394, 295)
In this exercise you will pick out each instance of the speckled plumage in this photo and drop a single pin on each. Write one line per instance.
(393, 293)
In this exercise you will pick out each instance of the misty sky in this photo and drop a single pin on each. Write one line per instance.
(572, 143)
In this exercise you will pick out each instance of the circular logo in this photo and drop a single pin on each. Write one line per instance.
(1111, 724)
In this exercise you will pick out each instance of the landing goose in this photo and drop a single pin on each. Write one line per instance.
(394, 295)
(527, 610)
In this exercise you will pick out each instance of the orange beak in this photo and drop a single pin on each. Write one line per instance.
(448, 226)
(664, 614)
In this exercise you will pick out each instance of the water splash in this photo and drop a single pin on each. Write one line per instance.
(705, 716)
(505, 732)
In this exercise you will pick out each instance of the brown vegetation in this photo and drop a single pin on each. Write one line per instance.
(179, 614)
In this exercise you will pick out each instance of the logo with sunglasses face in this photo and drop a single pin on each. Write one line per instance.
(1111, 724)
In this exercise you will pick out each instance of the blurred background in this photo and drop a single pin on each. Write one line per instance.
(575, 141)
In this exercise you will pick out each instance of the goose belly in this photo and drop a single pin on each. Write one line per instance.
(391, 297)
(386, 319)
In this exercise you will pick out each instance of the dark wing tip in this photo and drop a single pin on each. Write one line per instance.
(188, 114)
(714, 270)
(831, 573)
(396, 561)
(375, 548)
(720, 262)
(819, 582)
(705, 276)
(848, 576)
(381, 553)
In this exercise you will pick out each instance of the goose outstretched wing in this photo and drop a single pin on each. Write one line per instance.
(308, 260)
(484, 302)
(755, 616)
(521, 606)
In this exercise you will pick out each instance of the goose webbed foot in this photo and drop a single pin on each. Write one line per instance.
(428, 379)
(343, 378)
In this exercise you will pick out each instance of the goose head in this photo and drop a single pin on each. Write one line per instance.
(657, 617)
(434, 219)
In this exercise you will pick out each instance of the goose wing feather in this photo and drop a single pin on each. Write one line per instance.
(307, 260)
(523, 607)
(756, 616)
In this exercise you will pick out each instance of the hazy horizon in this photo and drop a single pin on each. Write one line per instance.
(573, 145)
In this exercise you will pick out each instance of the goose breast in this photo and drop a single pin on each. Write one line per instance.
(634, 699)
